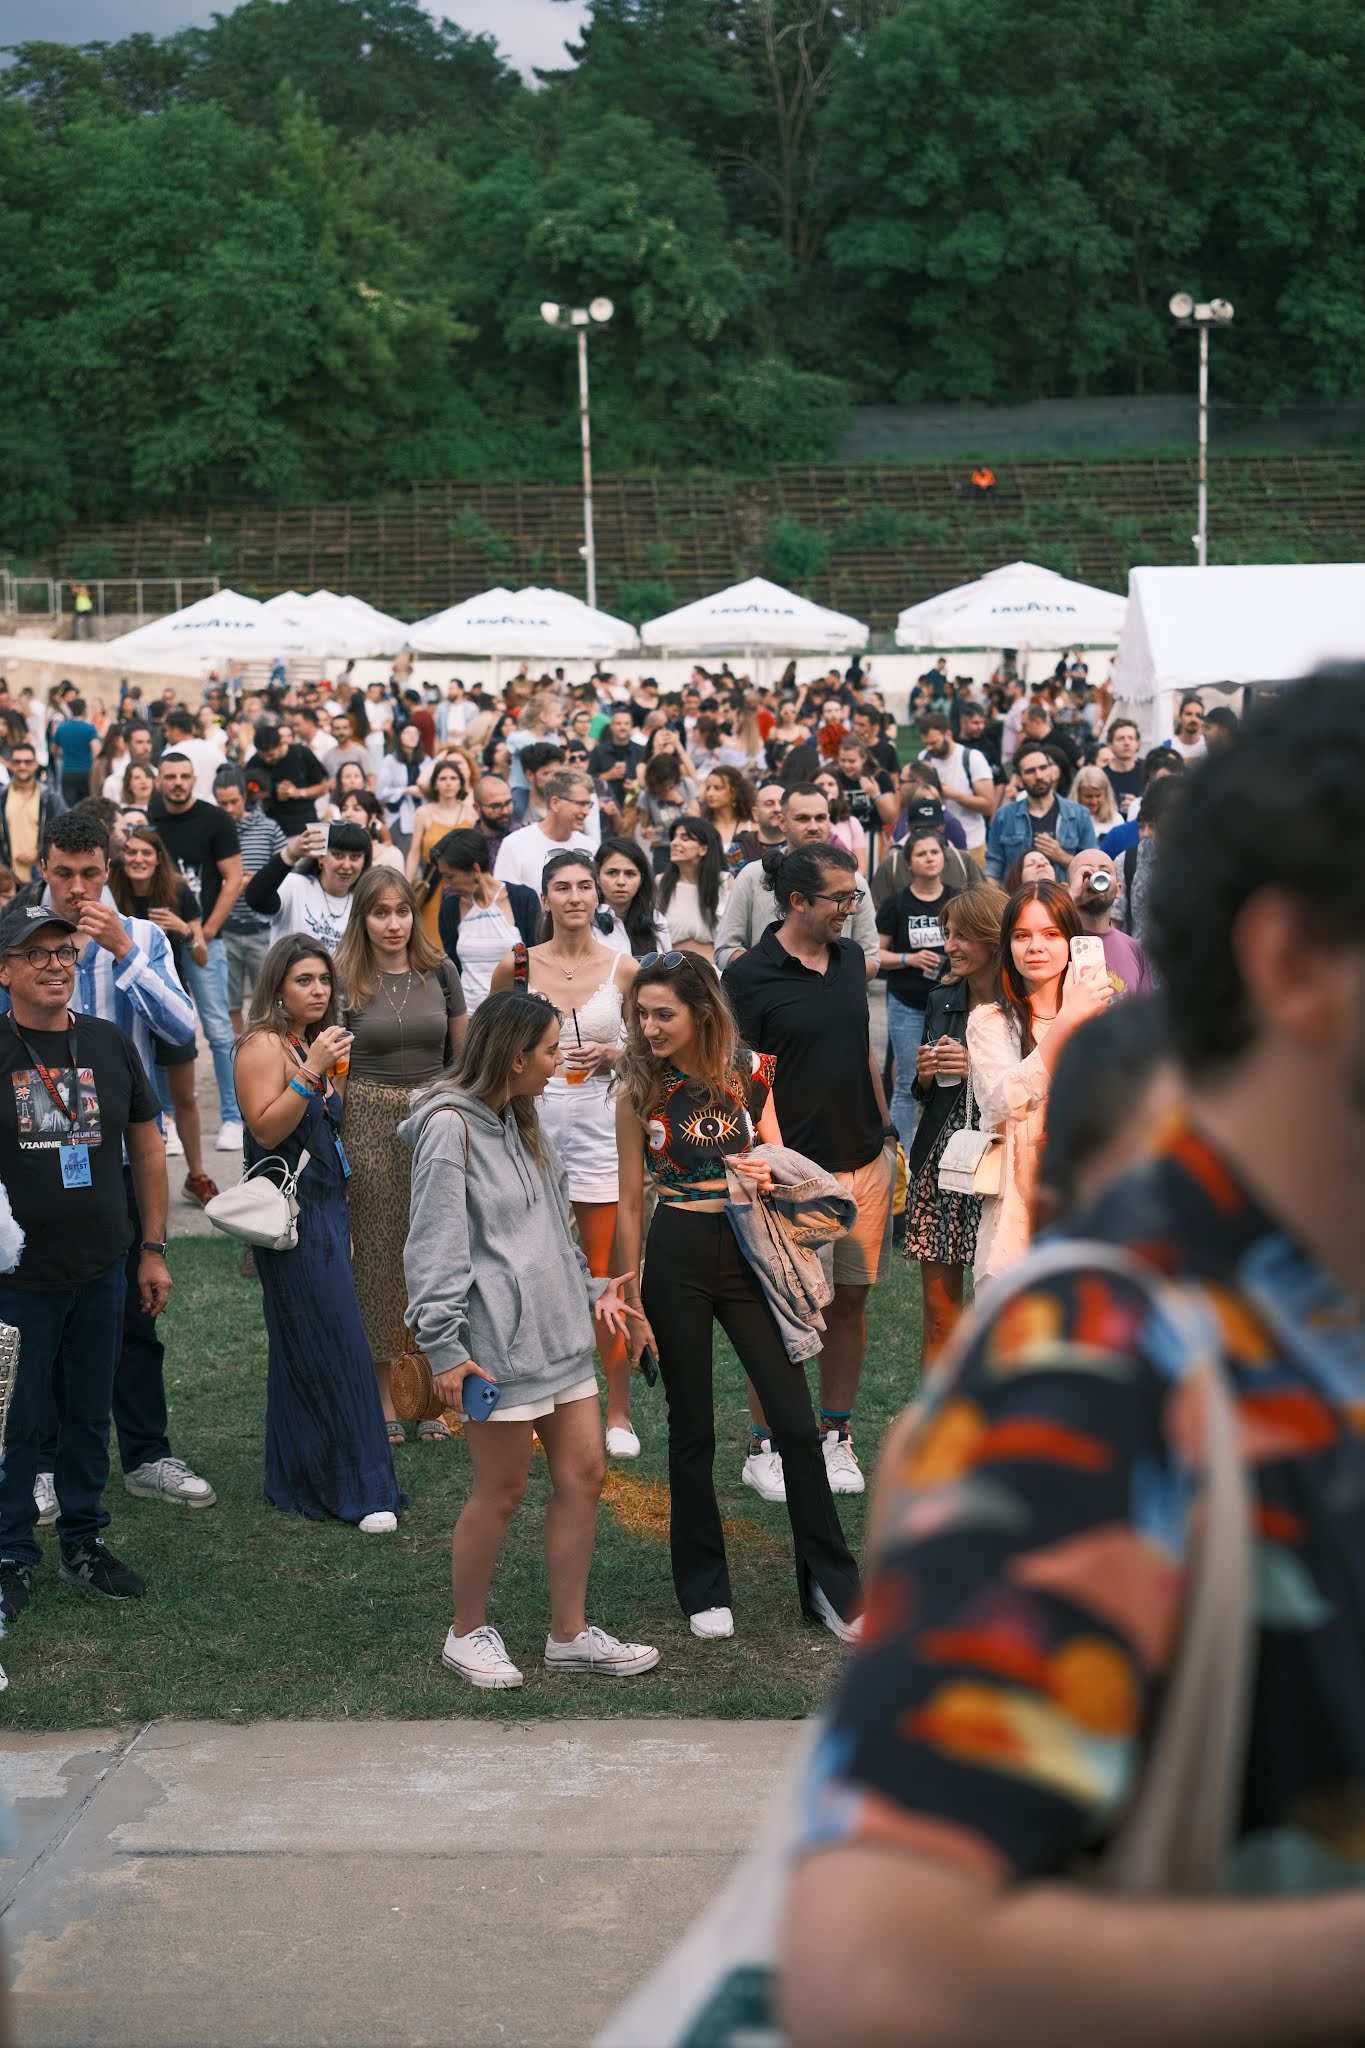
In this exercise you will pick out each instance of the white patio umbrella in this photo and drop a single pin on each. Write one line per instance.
(628, 637)
(362, 629)
(521, 624)
(1021, 605)
(223, 627)
(753, 617)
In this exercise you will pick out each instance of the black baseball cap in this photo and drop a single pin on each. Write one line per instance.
(924, 811)
(21, 920)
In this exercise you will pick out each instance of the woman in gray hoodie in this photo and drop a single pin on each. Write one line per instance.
(494, 1276)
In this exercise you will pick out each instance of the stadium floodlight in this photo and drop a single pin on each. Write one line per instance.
(597, 312)
(1187, 312)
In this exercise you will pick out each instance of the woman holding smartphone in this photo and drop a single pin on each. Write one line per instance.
(586, 981)
(493, 1276)
(1013, 1046)
(326, 1450)
(690, 1099)
(306, 887)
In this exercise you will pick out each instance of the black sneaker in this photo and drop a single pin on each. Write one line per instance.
(16, 1588)
(97, 1569)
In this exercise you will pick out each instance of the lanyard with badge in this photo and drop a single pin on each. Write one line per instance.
(74, 1159)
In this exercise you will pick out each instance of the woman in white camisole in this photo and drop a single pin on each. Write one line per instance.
(585, 980)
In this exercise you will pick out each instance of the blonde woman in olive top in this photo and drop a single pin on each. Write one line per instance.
(405, 1005)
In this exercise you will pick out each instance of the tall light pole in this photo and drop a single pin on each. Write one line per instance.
(1187, 313)
(597, 312)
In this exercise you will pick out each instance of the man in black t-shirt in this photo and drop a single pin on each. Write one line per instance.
(290, 779)
(73, 1093)
(616, 757)
(912, 955)
(800, 993)
(202, 841)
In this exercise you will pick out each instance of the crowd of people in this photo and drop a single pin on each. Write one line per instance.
(627, 940)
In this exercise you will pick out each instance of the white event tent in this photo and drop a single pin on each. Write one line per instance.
(1021, 605)
(752, 618)
(1246, 625)
(522, 625)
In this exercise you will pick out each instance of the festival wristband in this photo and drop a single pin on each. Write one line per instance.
(300, 1088)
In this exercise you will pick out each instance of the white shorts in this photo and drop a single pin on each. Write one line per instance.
(581, 1125)
(531, 1411)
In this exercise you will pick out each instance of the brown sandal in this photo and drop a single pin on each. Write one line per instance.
(200, 1188)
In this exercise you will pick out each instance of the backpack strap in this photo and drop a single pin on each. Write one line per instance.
(521, 967)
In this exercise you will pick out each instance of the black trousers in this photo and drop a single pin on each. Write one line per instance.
(140, 1420)
(696, 1275)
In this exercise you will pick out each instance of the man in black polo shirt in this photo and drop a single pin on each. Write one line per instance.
(202, 841)
(73, 1093)
(290, 780)
(800, 993)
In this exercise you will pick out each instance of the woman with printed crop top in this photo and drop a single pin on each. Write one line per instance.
(690, 1101)
(586, 981)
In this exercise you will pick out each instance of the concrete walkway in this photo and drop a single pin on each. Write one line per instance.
(432, 1884)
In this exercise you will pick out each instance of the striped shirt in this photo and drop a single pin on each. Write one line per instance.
(141, 993)
(260, 839)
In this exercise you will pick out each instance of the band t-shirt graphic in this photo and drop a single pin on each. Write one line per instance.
(40, 1119)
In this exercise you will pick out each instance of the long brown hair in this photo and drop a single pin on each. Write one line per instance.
(640, 1073)
(267, 1008)
(163, 891)
(975, 914)
(1011, 990)
(356, 967)
(504, 1026)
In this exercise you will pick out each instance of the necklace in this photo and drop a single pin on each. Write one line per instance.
(397, 1008)
(557, 959)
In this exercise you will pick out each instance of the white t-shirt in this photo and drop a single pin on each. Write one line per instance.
(1189, 750)
(958, 770)
(523, 854)
(305, 906)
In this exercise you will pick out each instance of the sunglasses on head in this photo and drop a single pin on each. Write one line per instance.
(668, 961)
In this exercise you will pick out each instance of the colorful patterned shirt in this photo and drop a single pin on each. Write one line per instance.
(687, 1137)
(1023, 1617)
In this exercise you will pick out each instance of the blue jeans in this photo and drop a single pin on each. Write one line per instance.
(69, 1339)
(208, 985)
(905, 1029)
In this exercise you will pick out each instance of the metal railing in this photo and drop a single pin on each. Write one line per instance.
(143, 597)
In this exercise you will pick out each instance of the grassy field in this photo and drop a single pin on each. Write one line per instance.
(250, 1612)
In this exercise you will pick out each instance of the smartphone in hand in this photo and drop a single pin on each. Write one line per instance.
(1088, 951)
(479, 1397)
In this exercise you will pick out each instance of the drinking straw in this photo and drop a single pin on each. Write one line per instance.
(576, 1032)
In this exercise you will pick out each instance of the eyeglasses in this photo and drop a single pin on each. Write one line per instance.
(38, 956)
(848, 902)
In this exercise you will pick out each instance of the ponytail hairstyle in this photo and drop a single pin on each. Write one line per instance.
(638, 918)
(571, 857)
(705, 835)
(801, 870)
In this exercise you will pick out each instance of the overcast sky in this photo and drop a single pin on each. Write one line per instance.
(529, 32)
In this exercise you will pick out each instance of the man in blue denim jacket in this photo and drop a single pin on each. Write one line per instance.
(1041, 818)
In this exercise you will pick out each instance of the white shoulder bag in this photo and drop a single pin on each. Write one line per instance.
(263, 1211)
(972, 1162)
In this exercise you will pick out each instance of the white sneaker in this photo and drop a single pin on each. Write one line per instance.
(712, 1623)
(174, 1148)
(169, 1479)
(229, 1137)
(481, 1658)
(845, 1473)
(4, 1682)
(380, 1523)
(622, 1443)
(595, 1651)
(763, 1471)
(847, 1631)
(45, 1498)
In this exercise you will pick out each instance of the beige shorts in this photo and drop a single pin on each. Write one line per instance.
(863, 1258)
(531, 1411)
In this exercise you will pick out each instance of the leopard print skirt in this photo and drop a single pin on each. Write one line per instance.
(379, 1193)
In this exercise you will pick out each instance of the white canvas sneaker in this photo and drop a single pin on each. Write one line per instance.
(622, 1443)
(763, 1471)
(174, 1148)
(229, 1137)
(845, 1473)
(597, 1652)
(481, 1658)
(850, 1632)
(45, 1499)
